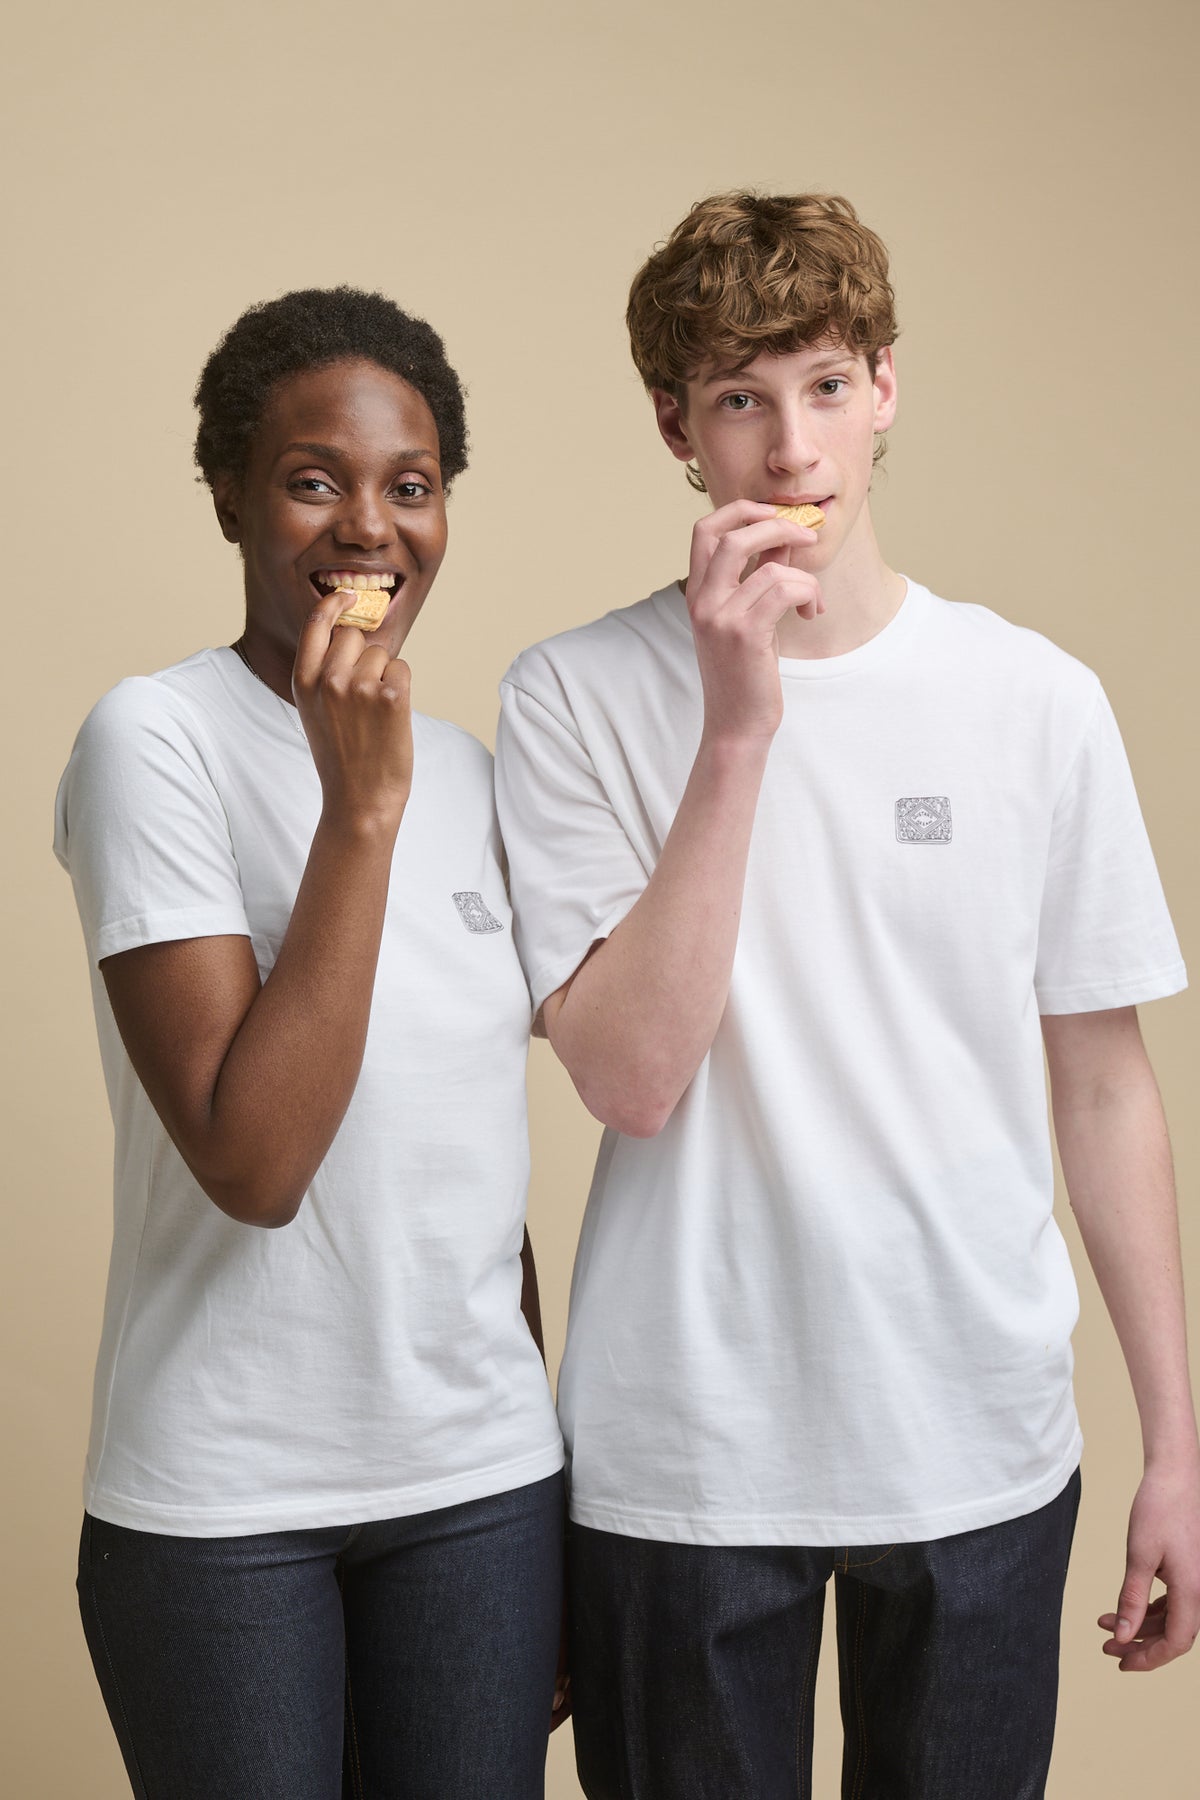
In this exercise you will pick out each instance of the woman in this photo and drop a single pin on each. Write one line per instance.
(323, 1488)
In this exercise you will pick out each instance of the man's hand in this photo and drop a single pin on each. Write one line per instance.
(1164, 1542)
(734, 614)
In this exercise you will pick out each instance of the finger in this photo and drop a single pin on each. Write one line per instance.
(316, 634)
(1152, 1629)
(1133, 1601)
(708, 531)
(774, 590)
(736, 547)
(368, 669)
(1152, 1624)
(721, 560)
(397, 676)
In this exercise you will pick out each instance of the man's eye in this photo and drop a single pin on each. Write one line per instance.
(833, 384)
(738, 402)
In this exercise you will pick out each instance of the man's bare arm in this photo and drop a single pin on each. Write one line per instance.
(1116, 1159)
(636, 1020)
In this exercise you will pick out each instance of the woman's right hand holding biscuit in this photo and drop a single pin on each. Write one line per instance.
(354, 703)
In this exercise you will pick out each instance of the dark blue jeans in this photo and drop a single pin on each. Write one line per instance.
(693, 1668)
(411, 1656)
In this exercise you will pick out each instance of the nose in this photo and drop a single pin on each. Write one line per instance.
(793, 446)
(363, 521)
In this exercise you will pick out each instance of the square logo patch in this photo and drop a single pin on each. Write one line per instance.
(924, 819)
(474, 914)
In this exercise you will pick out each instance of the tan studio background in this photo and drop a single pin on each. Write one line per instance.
(504, 171)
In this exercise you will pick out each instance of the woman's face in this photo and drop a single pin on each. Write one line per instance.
(344, 479)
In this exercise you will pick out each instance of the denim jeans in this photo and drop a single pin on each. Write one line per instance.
(693, 1667)
(410, 1656)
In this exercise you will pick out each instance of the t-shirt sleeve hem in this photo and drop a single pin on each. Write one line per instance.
(164, 927)
(553, 971)
(1131, 990)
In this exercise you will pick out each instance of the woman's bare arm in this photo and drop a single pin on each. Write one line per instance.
(252, 1080)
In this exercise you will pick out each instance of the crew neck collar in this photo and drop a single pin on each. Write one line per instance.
(875, 650)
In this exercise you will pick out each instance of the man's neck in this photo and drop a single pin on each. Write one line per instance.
(862, 595)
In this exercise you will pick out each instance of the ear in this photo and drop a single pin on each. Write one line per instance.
(669, 415)
(225, 497)
(885, 389)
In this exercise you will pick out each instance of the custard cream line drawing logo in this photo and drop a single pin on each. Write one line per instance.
(474, 913)
(924, 819)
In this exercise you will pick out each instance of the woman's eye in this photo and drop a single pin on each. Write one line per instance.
(311, 484)
(410, 489)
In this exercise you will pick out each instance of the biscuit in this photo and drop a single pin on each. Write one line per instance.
(368, 609)
(812, 516)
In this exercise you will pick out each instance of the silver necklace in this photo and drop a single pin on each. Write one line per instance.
(239, 651)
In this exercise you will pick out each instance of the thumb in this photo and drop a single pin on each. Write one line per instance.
(1134, 1599)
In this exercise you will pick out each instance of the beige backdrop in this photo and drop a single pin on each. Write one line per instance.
(504, 171)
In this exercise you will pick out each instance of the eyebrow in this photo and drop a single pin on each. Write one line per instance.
(830, 361)
(331, 453)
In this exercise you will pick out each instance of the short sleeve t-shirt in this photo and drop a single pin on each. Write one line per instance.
(369, 1359)
(828, 1303)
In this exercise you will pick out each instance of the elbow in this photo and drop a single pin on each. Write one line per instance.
(639, 1125)
(269, 1205)
(631, 1089)
(636, 1112)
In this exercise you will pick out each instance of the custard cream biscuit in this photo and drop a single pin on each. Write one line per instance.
(369, 606)
(812, 516)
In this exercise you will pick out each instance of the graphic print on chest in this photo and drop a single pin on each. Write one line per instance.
(474, 913)
(924, 819)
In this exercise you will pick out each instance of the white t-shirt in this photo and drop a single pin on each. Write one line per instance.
(828, 1303)
(369, 1359)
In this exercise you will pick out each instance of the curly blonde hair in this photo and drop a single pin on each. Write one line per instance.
(746, 272)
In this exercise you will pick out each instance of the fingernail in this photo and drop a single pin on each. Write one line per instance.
(1122, 1626)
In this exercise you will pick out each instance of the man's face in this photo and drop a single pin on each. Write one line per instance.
(785, 430)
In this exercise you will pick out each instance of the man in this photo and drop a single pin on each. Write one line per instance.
(800, 856)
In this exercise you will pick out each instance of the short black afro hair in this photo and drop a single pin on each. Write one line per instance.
(309, 329)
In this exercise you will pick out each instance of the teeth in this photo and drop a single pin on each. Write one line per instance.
(345, 579)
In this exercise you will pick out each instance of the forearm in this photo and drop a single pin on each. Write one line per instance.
(1116, 1160)
(641, 1014)
(250, 1079)
(291, 1070)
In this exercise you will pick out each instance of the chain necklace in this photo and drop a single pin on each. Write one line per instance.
(288, 706)
(239, 649)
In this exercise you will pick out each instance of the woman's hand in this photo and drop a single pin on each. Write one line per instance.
(354, 703)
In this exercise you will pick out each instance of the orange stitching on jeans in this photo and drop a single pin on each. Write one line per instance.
(803, 1786)
(867, 1565)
